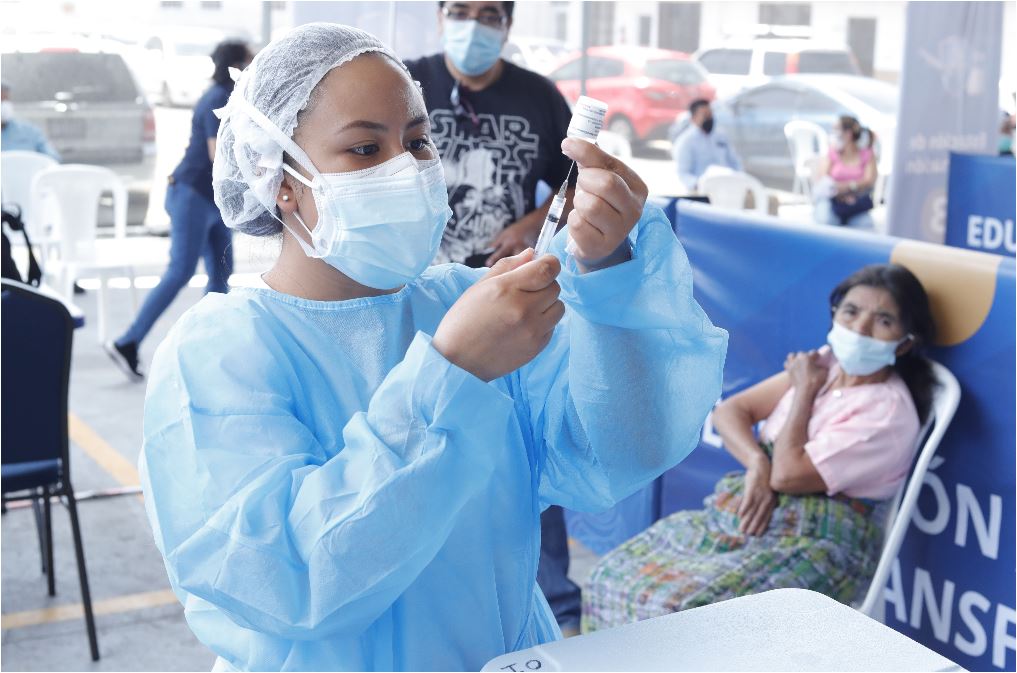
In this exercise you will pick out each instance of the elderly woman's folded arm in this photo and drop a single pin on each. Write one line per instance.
(793, 472)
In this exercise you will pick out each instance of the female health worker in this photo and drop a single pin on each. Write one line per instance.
(345, 469)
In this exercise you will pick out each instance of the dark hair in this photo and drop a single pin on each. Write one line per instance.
(916, 316)
(696, 105)
(228, 54)
(852, 125)
(509, 6)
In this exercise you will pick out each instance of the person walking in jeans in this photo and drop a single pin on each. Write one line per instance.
(197, 229)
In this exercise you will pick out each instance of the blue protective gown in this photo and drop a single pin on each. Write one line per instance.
(330, 493)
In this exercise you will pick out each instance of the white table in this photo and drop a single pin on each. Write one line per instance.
(779, 630)
(107, 258)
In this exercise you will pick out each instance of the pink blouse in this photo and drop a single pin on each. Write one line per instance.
(861, 439)
(842, 172)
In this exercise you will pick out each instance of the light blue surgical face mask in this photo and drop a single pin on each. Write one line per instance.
(380, 226)
(473, 48)
(859, 355)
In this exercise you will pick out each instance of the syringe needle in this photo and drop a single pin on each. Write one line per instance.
(569, 174)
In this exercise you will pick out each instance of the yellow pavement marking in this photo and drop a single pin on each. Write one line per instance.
(105, 455)
(125, 474)
(59, 613)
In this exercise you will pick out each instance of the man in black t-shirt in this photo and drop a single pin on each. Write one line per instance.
(498, 129)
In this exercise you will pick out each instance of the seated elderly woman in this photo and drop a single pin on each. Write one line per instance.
(841, 428)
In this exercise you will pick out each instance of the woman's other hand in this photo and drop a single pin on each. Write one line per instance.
(758, 500)
(807, 371)
(505, 319)
(512, 240)
(608, 202)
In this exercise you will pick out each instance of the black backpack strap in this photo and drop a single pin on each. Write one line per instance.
(34, 270)
(12, 218)
(8, 269)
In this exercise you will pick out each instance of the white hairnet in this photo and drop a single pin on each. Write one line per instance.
(259, 119)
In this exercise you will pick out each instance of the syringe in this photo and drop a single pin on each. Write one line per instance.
(550, 226)
(587, 120)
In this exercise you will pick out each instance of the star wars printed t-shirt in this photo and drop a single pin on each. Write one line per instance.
(493, 162)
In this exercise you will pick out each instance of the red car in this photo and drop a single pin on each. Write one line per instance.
(644, 88)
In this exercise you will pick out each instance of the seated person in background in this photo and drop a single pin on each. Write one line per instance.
(17, 134)
(846, 177)
(698, 147)
(1006, 133)
(841, 428)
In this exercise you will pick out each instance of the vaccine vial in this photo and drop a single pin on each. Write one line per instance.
(587, 119)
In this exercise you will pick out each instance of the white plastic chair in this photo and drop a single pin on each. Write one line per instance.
(807, 141)
(76, 190)
(730, 191)
(944, 406)
(17, 170)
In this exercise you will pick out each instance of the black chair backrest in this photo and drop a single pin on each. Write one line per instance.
(35, 369)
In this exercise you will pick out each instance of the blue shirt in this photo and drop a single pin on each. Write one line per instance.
(20, 135)
(195, 169)
(695, 151)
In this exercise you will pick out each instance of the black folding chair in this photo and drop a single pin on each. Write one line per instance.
(35, 368)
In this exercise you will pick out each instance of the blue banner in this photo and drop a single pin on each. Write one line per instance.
(948, 102)
(981, 203)
(953, 587)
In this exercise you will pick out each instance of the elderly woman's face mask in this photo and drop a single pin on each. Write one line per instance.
(867, 331)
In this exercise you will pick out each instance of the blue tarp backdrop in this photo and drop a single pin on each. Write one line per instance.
(981, 203)
(768, 285)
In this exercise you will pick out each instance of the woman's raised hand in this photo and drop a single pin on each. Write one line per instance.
(807, 371)
(505, 319)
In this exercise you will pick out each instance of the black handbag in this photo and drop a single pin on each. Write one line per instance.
(845, 210)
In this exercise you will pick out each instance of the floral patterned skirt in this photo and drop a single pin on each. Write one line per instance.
(697, 557)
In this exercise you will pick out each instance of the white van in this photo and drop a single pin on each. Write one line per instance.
(740, 65)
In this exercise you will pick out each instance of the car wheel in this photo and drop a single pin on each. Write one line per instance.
(623, 127)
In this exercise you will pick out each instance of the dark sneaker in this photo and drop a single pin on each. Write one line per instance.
(126, 358)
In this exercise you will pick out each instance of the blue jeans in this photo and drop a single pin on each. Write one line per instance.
(823, 214)
(553, 569)
(196, 230)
